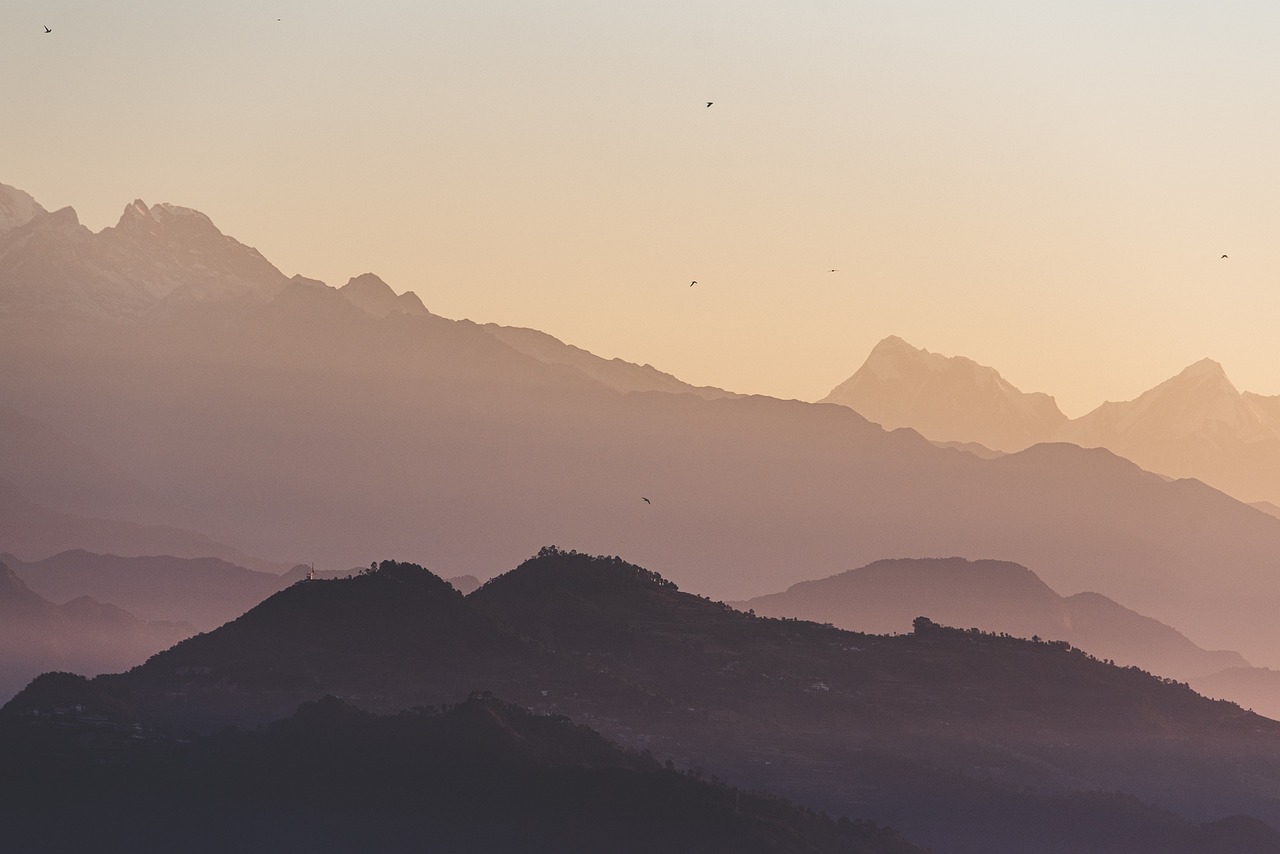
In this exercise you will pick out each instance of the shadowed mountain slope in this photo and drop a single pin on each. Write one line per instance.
(482, 776)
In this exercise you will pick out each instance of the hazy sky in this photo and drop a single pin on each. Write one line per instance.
(1045, 187)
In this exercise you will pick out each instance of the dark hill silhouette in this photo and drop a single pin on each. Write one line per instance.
(995, 596)
(897, 729)
(392, 637)
(481, 776)
(83, 635)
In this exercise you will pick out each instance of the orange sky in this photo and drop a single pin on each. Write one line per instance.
(1043, 187)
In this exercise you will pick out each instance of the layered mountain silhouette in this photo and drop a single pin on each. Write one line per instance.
(204, 592)
(83, 635)
(1194, 425)
(277, 416)
(994, 596)
(964, 741)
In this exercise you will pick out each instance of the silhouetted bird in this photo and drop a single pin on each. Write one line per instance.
(645, 500)
(1224, 256)
(709, 103)
(694, 282)
(833, 271)
(47, 30)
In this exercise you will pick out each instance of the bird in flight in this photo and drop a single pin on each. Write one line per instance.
(47, 30)
(694, 282)
(645, 500)
(709, 103)
(1224, 256)
(833, 271)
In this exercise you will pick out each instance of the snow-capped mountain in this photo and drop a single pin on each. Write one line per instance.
(1196, 424)
(50, 262)
(949, 399)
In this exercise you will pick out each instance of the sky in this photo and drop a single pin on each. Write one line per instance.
(1044, 187)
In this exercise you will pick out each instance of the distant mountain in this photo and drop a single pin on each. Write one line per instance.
(964, 741)
(482, 776)
(949, 399)
(205, 592)
(371, 294)
(1196, 424)
(52, 263)
(994, 596)
(29, 530)
(83, 635)
(1255, 688)
(615, 373)
(17, 208)
(300, 426)
(1266, 507)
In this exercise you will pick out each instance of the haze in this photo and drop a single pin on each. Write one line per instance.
(1044, 187)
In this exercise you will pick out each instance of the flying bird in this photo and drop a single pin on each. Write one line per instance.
(709, 103)
(47, 30)
(833, 271)
(694, 282)
(645, 500)
(1224, 256)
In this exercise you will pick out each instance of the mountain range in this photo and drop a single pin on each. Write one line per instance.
(994, 596)
(1196, 424)
(962, 740)
(201, 592)
(278, 416)
(82, 635)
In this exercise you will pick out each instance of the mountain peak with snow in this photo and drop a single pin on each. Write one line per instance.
(1200, 402)
(945, 398)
